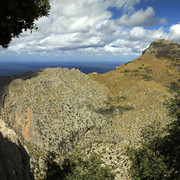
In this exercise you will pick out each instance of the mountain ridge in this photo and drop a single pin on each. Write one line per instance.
(163, 47)
(57, 110)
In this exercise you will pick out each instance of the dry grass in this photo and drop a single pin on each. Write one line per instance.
(145, 84)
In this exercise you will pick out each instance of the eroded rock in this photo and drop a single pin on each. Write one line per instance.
(163, 48)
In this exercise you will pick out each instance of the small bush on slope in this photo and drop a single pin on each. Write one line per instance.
(159, 157)
(78, 166)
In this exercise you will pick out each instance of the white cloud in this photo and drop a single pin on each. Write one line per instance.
(72, 25)
(145, 35)
(134, 41)
(141, 18)
(121, 46)
(175, 33)
(85, 27)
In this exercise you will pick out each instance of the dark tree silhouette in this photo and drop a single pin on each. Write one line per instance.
(17, 16)
(78, 166)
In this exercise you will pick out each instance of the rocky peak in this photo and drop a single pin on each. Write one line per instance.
(53, 106)
(163, 47)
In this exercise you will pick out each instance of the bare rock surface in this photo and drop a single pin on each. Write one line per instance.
(163, 48)
(53, 107)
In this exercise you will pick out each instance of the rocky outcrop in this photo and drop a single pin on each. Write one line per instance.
(14, 159)
(163, 48)
(53, 108)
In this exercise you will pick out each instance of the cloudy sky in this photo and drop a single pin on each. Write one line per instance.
(97, 30)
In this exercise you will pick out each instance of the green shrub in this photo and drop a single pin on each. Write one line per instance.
(158, 156)
(174, 87)
(135, 70)
(126, 70)
(147, 77)
(79, 166)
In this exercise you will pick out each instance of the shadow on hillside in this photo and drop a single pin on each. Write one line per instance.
(6, 80)
(14, 161)
(115, 109)
(53, 169)
(112, 109)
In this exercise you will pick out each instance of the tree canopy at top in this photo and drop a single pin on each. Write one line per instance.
(19, 15)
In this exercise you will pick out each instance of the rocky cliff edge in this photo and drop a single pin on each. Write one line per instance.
(163, 48)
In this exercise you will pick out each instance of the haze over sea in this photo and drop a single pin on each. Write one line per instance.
(19, 67)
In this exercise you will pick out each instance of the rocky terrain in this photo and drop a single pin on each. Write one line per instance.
(57, 110)
(163, 48)
(52, 109)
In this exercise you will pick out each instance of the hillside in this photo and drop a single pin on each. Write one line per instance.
(151, 66)
(58, 110)
(52, 109)
(143, 84)
(56, 100)
(163, 48)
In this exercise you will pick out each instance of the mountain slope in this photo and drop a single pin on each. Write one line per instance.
(144, 84)
(56, 110)
(51, 110)
(53, 107)
(163, 48)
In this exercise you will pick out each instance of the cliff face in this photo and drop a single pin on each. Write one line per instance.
(14, 159)
(53, 107)
(163, 48)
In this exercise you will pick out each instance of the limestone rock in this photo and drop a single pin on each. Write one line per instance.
(52, 108)
(163, 48)
(14, 159)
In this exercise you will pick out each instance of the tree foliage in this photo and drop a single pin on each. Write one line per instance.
(158, 157)
(79, 166)
(19, 15)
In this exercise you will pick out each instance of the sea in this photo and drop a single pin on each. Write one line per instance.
(11, 68)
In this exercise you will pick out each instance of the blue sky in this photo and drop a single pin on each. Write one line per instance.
(97, 30)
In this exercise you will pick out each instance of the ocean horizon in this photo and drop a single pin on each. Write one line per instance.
(15, 68)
